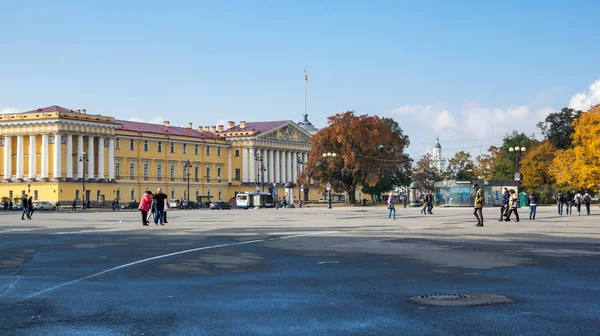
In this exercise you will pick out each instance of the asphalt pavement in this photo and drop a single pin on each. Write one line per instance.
(345, 271)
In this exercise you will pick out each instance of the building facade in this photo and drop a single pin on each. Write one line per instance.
(56, 154)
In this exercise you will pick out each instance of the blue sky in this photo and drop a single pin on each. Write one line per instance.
(460, 71)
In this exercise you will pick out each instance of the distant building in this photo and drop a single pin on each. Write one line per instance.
(438, 161)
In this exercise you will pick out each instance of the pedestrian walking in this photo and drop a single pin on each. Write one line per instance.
(390, 206)
(504, 205)
(144, 207)
(560, 199)
(10, 205)
(30, 207)
(578, 200)
(424, 205)
(513, 205)
(167, 207)
(404, 201)
(532, 205)
(478, 205)
(74, 205)
(429, 202)
(159, 205)
(587, 200)
(569, 203)
(24, 204)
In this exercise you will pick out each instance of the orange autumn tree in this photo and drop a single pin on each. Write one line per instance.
(366, 149)
(485, 163)
(583, 166)
(535, 165)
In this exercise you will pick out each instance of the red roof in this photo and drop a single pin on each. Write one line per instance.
(135, 126)
(53, 108)
(258, 126)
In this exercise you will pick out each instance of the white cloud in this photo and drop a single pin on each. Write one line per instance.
(584, 100)
(155, 120)
(9, 110)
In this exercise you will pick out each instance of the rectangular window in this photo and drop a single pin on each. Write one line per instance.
(145, 170)
(196, 172)
(172, 173)
(132, 194)
(159, 171)
(237, 174)
(132, 170)
(220, 194)
(219, 173)
(184, 172)
(118, 169)
(197, 194)
(207, 174)
(218, 151)
(172, 147)
(35, 195)
(77, 194)
(185, 195)
(117, 143)
(184, 149)
(196, 149)
(159, 147)
(208, 150)
(145, 145)
(237, 152)
(97, 195)
(131, 145)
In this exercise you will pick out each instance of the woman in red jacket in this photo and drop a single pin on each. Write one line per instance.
(145, 205)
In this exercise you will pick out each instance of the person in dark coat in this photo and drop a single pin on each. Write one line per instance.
(25, 206)
(504, 205)
(30, 206)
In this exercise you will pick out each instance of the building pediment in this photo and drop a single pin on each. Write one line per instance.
(287, 132)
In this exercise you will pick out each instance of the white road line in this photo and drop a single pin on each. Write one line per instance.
(169, 255)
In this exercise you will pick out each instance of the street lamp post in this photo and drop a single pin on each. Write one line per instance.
(260, 170)
(187, 166)
(518, 152)
(300, 163)
(83, 158)
(328, 156)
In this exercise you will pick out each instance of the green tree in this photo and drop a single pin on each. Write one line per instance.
(504, 167)
(460, 167)
(425, 172)
(558, 127)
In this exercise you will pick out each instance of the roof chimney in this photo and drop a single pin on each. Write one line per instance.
(213, 129)
(199, 128)
(242, 124)
(190, 125)
(231, 124)
(83, 111)
(166, 123)
(221, 128)
(206, 128)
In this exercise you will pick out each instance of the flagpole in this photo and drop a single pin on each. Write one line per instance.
(305, 80)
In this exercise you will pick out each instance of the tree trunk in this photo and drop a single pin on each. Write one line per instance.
(351, 194)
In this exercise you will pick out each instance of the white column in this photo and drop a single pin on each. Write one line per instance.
(69, 161)
(7, 158)
(271, 166)
(244, 164)
(57, 156)
(277, 171)
(32, 156)
(252, 169)
(90, 156)
(79, 154)
(111, 158)
(20, 155)
(264, 157)
(101, 158)
(229, 168)
(289, 166)
(283, 166)
(295, 165)
(44, 172)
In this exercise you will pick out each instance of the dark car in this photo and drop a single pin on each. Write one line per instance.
(130, 205)
(220, 205)
(191, 205)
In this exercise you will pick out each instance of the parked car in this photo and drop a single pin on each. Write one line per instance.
(220, 205)
(174, 203)
(130, 205)
(17, 206)
(43, 206)
(191, 205)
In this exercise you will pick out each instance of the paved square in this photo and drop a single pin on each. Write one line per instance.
(310, 271)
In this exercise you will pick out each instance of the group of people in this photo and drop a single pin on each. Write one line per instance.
(510, 205)
(427, 203)
(27, 204)
(573, 199)
(153, 206)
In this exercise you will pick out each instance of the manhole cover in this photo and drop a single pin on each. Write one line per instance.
(460, 299)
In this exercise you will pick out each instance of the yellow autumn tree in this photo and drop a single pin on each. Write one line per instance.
(535, 166)
(561, 167)
(586, 150)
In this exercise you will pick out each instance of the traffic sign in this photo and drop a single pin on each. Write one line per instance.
(328, 186)
(517, 175)
(517, 179)
(257, 188)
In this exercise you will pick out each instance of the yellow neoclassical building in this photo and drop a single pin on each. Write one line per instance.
(56, 154)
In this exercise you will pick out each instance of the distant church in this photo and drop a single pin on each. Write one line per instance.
(438, 161)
